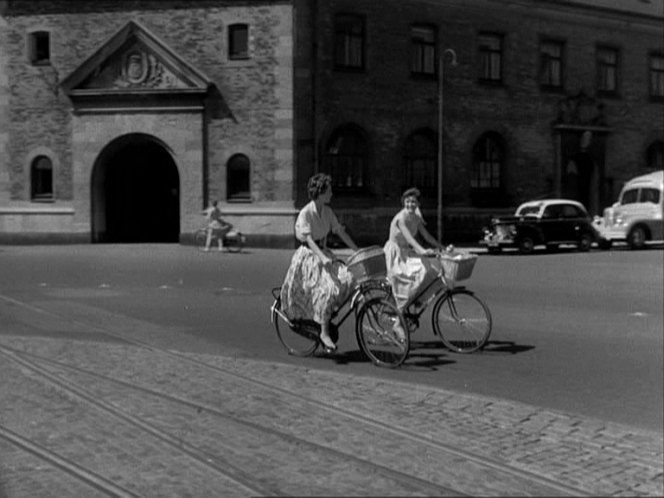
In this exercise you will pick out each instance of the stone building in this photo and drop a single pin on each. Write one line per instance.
(121, 120)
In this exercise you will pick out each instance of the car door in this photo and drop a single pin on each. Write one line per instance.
(575, 222)
(551, 224)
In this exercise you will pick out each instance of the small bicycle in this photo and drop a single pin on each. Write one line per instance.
(234, 240)
(459, 318)
(380, 328)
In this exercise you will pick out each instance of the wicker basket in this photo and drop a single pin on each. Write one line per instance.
(368, 263)
(457, 266)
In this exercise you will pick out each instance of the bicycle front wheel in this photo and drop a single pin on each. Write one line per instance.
(382, 333)
(462, 321)
(297, 340)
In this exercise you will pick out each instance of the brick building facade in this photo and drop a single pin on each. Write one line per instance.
(120, 121)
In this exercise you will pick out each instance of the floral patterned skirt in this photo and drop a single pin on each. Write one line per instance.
(312, 291)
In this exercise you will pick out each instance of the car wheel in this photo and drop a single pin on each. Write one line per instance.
(636, 238)
(526, 245)
(585, 242)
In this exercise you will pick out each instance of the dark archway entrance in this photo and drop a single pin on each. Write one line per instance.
(135, 192)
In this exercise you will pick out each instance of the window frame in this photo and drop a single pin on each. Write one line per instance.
(652, 72)
(359, 155)
(496, 182)
(485, 54)
(233, 194)
(545, 64)
(35, 39)
(233, 29)
(38, 192)
(602, 65)
(409, 158)
(350, 39)
(419, 49)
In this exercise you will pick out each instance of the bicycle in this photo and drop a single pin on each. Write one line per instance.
(234, 240)
(459, 318)
(380, 329)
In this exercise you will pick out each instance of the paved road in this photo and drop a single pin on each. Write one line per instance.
(576, 332)
(120, 377)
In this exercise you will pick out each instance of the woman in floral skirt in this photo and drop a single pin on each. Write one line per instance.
(316, 283)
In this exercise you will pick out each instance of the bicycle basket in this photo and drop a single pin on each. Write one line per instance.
(457, 266)
(367, 263)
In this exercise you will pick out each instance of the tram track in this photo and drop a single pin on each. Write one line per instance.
(79, 472)
(351, 417)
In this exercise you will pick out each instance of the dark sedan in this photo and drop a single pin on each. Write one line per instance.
(549, 222)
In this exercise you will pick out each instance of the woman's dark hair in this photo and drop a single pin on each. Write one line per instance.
(318, 184)
(411, 192)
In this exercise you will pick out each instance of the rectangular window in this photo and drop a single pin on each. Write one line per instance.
(39, 47)
(349, 42)
(551, 64)
(423, 51)
(657, 76)
(490, 47)
(238, 41)
(607, 70)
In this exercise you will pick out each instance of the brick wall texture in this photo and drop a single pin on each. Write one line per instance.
(287, 99)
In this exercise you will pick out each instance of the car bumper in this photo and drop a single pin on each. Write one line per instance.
(492, 241)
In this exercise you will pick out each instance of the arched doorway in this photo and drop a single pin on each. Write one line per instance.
(135, 192)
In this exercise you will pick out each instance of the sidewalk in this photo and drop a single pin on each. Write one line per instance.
(435, 435)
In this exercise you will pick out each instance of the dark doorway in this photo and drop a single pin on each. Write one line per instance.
(582, 168)
(135, 192)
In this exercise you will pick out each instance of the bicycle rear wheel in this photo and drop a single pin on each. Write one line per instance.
(200, 238)
(298, 339)
(462, 321)
(382, 333)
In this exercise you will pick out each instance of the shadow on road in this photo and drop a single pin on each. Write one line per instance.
(505, 347)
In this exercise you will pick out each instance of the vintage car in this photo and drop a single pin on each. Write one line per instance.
(637, 217)
(549, 222)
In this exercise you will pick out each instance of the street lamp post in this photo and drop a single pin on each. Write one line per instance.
(441, 64)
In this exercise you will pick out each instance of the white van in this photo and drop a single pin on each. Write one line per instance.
(637, 216)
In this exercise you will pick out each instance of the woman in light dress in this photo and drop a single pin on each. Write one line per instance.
(316, 283)
(410, 266)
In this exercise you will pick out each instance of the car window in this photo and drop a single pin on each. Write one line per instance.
(552, 212)
(528, 210)
(650, 195)
(570, 211)
(630, 196)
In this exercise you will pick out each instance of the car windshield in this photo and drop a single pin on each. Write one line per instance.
(532, 210)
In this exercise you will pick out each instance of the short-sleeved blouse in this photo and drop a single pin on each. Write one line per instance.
(412, 222)
(318, 225)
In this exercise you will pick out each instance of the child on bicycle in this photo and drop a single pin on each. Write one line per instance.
(216, 227)
(315, 283)
(410, 267)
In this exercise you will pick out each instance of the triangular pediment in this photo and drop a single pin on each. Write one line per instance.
(134, 62)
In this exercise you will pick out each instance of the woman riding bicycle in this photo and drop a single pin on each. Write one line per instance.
(315, 283)
(409, 269)
(216, 227)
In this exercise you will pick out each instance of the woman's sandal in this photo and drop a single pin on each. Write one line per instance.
(326, 345)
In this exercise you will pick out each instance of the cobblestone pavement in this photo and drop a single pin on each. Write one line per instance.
(143, 422)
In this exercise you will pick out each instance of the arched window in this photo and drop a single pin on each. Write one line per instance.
(238, 178)
(41, 179)
(420, 162)
(346, 159)
(655, 156)
(488, 162)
